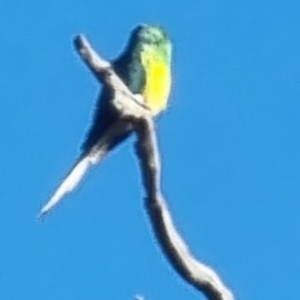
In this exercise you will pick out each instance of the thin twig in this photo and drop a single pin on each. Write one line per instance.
(105, 74)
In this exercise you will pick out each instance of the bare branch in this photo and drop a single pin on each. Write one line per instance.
(94, 62)
(106, 75)
(202, 277)
(131, 108)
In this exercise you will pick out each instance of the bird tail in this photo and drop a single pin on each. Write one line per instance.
(114, 135)
(71, 181)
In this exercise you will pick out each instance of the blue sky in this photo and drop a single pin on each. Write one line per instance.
(229, 143)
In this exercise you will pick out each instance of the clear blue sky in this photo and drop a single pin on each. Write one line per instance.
(230, 146)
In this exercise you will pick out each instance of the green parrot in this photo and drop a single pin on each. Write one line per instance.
(145, 67)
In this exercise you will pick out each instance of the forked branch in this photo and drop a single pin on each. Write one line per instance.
(131, 108)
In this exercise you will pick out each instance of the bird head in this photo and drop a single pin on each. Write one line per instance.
(150, 37)
(150, 34)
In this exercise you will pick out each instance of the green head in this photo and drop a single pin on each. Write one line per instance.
(148, 37)
(149, 34)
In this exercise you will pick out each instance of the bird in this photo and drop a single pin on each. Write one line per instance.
(145, 67)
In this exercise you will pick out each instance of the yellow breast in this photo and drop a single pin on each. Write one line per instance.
(158, 83)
